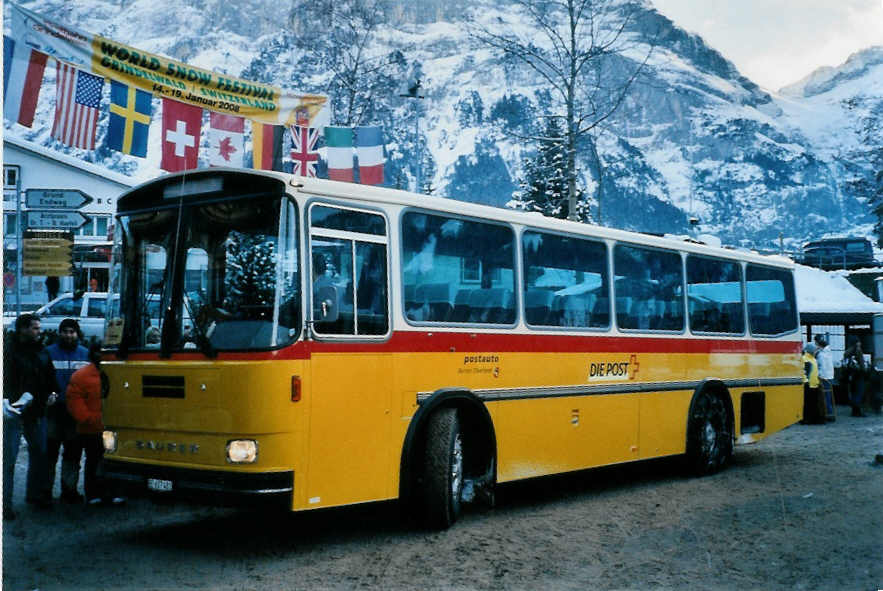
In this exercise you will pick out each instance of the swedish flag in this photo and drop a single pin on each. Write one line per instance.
(130, 112)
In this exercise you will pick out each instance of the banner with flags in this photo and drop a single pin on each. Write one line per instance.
(266, 146)
(22, 77)
(304, 155)
(83, 60)
(226, 140)
(167, 77)
(369, 151)
(181, 126)
(129, 120)
(78, 96)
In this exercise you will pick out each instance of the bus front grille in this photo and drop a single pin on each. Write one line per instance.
(162, 386)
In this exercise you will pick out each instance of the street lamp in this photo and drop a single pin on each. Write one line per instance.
(414, 93)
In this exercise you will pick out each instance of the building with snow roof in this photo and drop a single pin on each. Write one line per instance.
(29, 166)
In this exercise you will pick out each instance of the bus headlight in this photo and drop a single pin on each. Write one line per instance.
(109, 438)
(242, 451)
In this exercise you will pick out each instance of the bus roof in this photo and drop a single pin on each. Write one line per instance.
(134, 199)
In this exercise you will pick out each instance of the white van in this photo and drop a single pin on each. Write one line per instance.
(87, 309)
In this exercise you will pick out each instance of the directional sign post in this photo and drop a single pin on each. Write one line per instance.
(54, 219)
(56, 199)
(47, 253)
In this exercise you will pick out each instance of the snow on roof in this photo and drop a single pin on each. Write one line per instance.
(823, 292)
(72, 161)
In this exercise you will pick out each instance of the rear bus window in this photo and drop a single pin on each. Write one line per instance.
(649, 288)
(771, 301)
(565, 281)
(457, 270)
(714, 295)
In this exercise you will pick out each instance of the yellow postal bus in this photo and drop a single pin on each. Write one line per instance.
(313, 344)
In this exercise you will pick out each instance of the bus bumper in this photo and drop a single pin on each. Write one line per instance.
(210, 487)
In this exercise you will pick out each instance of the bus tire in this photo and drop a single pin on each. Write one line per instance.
(709, 435)
(442, 482)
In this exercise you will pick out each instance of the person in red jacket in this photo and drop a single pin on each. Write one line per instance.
(84, 404)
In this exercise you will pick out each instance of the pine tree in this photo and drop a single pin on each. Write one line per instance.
(544, 181)
(251, 278)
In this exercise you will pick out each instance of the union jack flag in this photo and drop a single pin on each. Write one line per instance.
(304, 155)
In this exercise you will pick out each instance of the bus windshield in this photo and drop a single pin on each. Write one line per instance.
(210, 276)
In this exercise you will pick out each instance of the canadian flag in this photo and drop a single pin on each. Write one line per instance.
(181, 126)
(226, 138)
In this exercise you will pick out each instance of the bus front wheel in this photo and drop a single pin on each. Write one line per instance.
(709, 435)
(442, 482)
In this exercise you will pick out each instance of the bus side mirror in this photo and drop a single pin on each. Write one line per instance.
(325, 304)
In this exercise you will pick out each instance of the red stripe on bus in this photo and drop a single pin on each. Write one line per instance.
(439, 342)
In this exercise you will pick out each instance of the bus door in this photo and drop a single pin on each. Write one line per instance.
(351, 376)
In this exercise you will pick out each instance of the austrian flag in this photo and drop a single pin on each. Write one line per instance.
(226, 140)
(22, 76)
(181, 126)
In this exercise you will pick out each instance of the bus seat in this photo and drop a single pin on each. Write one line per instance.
(575, 310)
(462, 306)
(643, 312)
(244, 334)
(490, 305)
(538, 306)
(438, 297)
(601, 312)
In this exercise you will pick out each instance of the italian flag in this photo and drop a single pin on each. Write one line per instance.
(339, 151)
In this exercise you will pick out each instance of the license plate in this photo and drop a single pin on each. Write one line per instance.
(158, 485)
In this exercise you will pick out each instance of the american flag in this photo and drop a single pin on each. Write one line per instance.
(76, 108)
(303, 151)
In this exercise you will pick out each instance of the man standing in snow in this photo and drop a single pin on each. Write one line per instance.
(826, 376)
(67, 356)
(28, 388)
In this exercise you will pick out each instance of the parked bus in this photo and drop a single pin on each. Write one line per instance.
(320, 344)
(838, 253)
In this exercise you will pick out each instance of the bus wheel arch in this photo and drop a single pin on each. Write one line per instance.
(444, 410)
(710, 428)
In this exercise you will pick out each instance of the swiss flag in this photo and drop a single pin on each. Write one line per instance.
(226, 138)
(181, 126)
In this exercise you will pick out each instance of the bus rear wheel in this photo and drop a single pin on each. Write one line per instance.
(442, 482)
(709, 435)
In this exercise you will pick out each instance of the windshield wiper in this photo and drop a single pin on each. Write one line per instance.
(199, 334)
(142, 313)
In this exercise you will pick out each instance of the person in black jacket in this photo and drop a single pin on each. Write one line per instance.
(29, 386)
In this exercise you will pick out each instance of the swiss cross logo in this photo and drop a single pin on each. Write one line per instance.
(634, 366)
(614, 369)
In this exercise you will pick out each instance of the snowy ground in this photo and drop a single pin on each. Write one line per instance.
(800, 510)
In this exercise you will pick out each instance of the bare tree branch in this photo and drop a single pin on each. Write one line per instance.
(570, 45)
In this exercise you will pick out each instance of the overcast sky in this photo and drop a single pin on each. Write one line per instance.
(777, 42)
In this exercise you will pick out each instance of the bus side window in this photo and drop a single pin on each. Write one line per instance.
(565, 281)
(473, 261)
(350, 274)
(714, 289)
(772, 307)
(648, 286)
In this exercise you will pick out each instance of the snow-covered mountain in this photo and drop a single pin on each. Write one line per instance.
(694, 138)
(840, 111)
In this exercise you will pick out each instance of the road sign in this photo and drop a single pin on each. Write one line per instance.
(47, 253)
(55, 219)
(56, 198)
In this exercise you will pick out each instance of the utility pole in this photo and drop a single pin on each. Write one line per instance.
(19, 225)
(414, 93)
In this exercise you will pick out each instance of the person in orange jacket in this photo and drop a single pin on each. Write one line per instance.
(83, 400)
